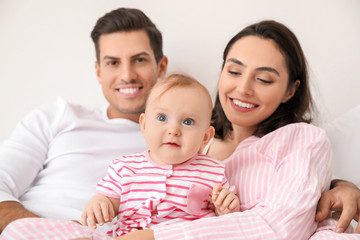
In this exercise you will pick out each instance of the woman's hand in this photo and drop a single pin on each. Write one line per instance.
(344, 197)
(224, 200)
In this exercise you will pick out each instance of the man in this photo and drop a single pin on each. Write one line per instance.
(50, 165)
(56, 155)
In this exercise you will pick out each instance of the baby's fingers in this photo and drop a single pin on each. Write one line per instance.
(221, 197)
(216, 190)
(227, 201)
(99, 217)
(90, 215)
(234, 205)
(84, 217)
(107, 213)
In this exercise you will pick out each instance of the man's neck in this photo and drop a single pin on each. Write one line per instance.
(130, 116)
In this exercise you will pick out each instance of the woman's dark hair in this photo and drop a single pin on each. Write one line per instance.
(300, 107)
(126, 20)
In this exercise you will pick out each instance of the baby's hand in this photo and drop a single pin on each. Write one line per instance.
(98, 210)
(224, 200)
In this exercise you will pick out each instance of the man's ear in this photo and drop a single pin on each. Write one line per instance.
(209, 134)
(97, 70)
(291, 91)
(142, 122)
(162, 67)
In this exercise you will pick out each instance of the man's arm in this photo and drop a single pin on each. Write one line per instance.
(10, 211)
(22, 157)
(345, 197)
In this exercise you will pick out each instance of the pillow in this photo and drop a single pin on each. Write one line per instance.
(344, 134)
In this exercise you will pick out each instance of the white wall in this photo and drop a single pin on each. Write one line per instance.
(46, 50)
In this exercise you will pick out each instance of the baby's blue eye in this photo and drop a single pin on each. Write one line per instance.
(162, 118)
(188, 122)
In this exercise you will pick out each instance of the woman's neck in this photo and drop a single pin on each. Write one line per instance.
(222, 149)
(238, 134)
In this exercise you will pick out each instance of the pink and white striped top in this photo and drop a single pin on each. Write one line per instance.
(151, 194)
(279, 179)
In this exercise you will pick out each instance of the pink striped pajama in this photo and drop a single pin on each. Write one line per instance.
(151, 194)
(279, 179)
(49, 229)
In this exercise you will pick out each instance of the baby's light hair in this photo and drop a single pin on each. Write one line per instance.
(178, 80)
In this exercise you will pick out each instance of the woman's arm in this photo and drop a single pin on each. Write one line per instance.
(345, 197)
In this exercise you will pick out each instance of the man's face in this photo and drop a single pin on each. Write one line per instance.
(127, 70)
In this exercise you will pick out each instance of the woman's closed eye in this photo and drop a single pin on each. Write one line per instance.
(236, 73)
(264, 80)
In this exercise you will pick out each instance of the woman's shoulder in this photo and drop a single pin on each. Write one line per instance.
(296, 131)
(293, 136)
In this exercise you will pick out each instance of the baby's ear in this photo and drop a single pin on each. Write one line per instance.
(142, 122)
(209, 134)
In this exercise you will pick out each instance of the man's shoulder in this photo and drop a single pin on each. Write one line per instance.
(63, 112)
(63, 107)
(61, 104)
(80, 109)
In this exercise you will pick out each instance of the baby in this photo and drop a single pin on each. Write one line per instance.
(171, 181)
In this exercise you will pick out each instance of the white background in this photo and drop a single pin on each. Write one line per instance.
(46, 50)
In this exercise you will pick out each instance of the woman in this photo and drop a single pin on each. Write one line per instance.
(278, 162)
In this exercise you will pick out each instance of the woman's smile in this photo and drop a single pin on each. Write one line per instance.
(242, 106)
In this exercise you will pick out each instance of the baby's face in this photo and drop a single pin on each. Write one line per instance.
(176, 124)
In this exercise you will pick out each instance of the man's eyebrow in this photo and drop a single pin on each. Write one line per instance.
(133, 56)
(140, 54)
(110, 57)
(267, 69)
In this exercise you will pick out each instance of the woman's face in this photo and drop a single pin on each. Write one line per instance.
(253, 82)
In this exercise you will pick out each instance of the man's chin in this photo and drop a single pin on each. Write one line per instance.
(130, 109)
(128, 113)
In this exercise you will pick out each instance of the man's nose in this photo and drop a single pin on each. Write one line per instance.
(127, 72)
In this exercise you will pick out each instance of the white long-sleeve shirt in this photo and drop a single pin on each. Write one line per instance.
(279, 179)
(54, 158)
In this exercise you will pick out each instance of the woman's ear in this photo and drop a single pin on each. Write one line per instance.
(291, 91)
